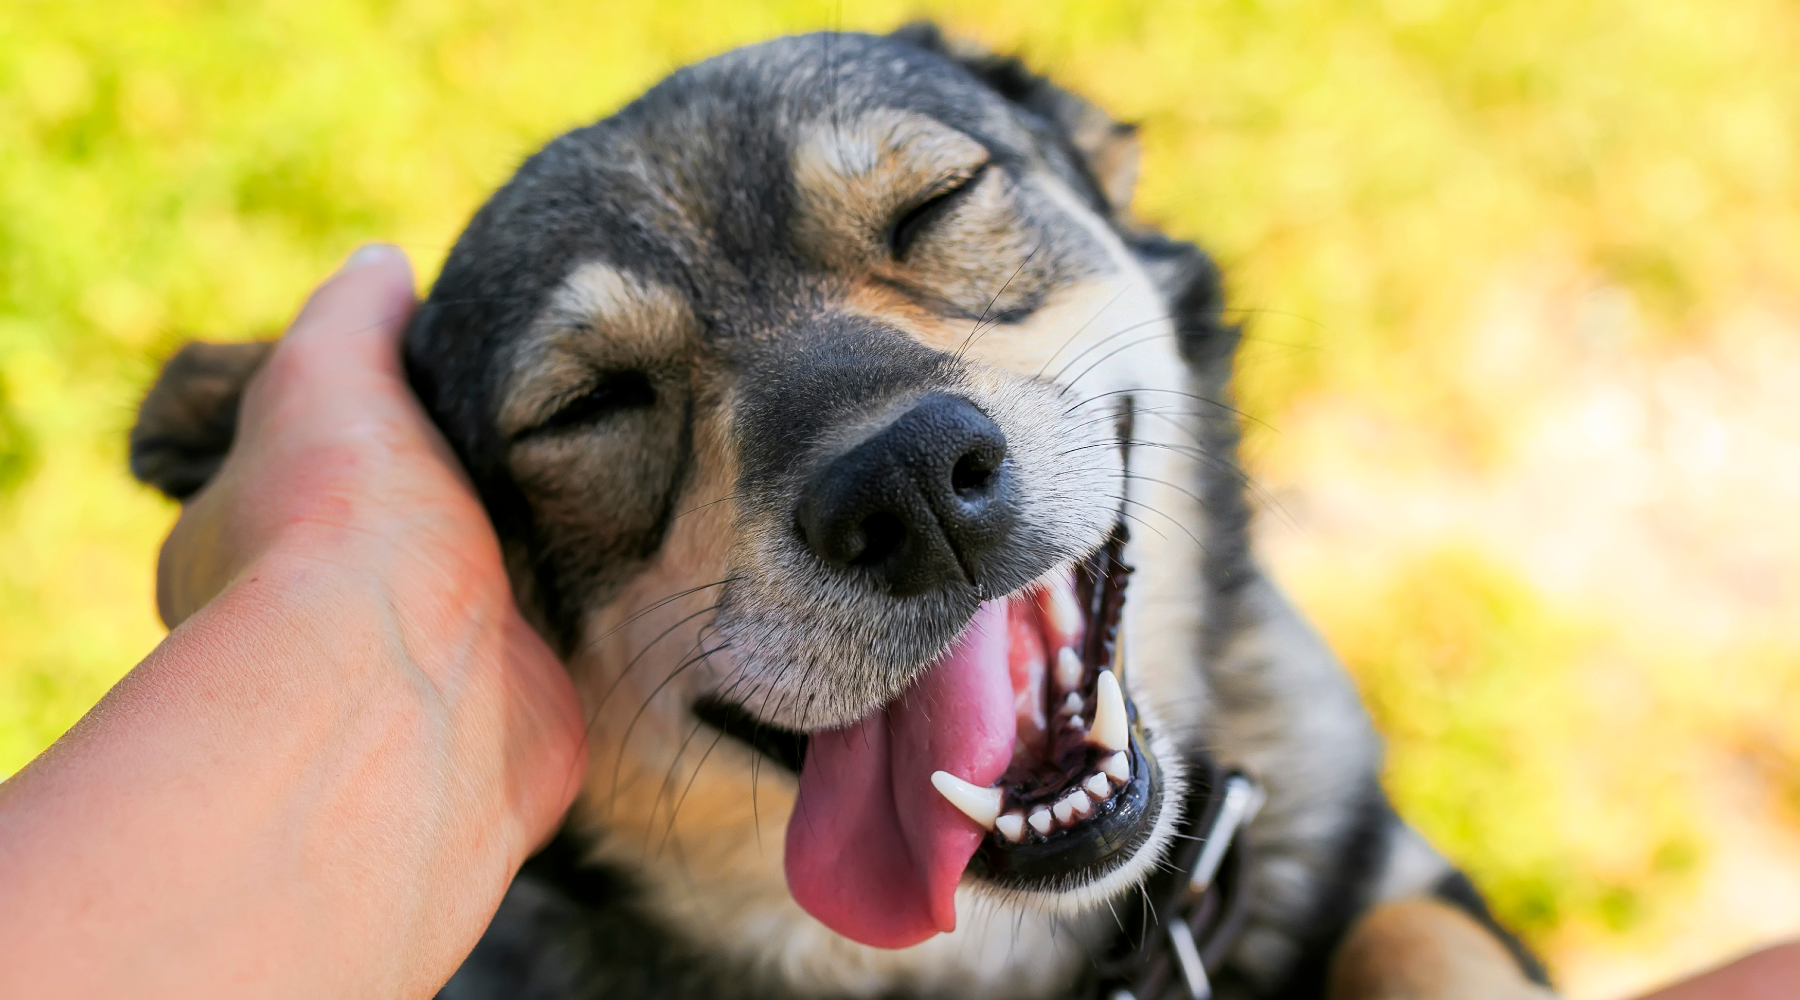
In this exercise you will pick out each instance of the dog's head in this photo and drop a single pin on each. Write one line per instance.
(814, 394)
(821, 398)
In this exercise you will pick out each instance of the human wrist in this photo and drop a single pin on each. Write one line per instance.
(454, 649)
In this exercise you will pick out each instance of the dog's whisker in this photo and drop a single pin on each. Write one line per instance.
(1115, 352)
(975, 330)
(1109, 338)
(692, 777)
(678, 595)
(667, 782)
(650, 698)
(1147, 526)
(633, 662)
(733, 495)
(1176, 522)
(1071, 338)
(1228, 468)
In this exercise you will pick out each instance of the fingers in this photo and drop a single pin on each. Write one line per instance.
(363, 307)
(334, 381)
(344, 344)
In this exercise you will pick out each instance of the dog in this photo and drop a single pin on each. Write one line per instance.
(874, 473)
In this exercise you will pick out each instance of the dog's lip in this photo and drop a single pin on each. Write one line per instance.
(786, 747)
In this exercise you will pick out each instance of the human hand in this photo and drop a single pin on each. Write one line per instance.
(323, 780)
(337, 470)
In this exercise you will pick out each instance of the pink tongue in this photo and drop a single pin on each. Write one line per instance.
(873, 851)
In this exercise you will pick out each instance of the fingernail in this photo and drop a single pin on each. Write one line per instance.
(371, 253)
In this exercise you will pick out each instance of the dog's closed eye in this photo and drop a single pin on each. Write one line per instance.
(941, 200)
(614, 393)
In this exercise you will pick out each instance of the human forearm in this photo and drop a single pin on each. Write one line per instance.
(303, 818)
(321, 782)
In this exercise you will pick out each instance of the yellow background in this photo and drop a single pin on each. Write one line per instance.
(1520, 288)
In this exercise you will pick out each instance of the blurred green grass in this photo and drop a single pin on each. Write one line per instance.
(180, 169)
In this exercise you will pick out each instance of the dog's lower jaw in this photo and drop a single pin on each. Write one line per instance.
(714, 878)
(1094, 892)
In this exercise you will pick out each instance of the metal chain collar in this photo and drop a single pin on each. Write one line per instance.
(1196, 907)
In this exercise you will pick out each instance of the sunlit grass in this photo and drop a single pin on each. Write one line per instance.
(1365, 171)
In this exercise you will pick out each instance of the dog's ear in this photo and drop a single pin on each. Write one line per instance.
(1106, 149)
(187, 420)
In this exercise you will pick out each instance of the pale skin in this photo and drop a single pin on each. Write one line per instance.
(322, 781)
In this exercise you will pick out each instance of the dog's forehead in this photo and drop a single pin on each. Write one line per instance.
(710, 162)
(700, 191)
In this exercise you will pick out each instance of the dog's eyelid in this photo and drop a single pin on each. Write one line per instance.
(608, 394)
(927, 207)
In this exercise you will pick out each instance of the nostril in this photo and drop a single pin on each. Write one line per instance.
(919, 504)
(883, 534)
(971, 474)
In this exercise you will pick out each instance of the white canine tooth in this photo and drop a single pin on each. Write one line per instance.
(1075, 723)
(1064, 811)
(1118, 767)
(1065, 614)
(1072, 705)
(1068, 669)
(1040, 820)
(1098, 786)
(979, 804)
(1011, 826)
(1110, 727)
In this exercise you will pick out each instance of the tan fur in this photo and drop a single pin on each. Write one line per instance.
(1421, 949)
(600, 319)
(854, 176)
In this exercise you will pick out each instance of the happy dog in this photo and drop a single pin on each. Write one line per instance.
(875, 476)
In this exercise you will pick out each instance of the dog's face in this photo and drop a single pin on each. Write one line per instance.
(815, 395)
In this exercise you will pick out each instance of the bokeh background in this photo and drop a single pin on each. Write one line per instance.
(1519, 281)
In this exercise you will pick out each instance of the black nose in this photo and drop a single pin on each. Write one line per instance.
(918, 504)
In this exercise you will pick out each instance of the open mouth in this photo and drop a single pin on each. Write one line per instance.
(1016, 758)
(1079, 794)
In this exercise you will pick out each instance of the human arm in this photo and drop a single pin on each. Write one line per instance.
(322, 781)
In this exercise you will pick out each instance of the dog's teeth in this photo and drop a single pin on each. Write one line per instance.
(1072, 705)
(1065, 614)
(1040, 820)
(1076, 724)
(979, 804)
(1110, 728)
(1068, 669)
(1011, 826)
(1074, 805)
(1118, 767)
(1098, 786)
